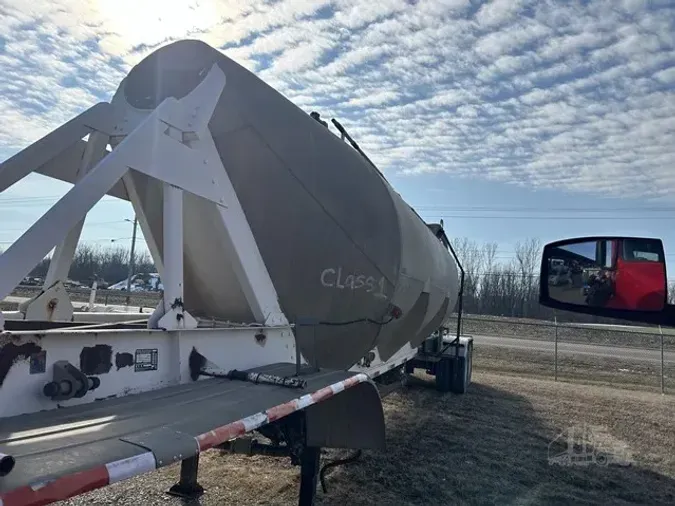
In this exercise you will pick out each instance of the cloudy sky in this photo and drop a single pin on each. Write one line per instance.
(509, 118)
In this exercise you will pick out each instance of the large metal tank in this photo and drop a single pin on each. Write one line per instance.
(339, 243)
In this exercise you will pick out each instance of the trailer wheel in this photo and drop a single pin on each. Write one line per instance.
(462, 369)
(444, 370)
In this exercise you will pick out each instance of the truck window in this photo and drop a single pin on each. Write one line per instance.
(635, 250)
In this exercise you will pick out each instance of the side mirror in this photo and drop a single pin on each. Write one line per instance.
(617, 277)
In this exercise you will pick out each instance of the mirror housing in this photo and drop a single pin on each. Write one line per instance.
(614, 277)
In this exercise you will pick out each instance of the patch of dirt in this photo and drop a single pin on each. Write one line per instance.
(490, 446)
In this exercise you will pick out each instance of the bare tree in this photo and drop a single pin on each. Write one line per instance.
(101, 263)
(470, 255)
(528, 256)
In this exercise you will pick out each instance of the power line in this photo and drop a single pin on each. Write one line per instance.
(42, 201)
(97, 223)
(502, 217)
(530, 275)
(30, 199)
(107, 239)
(40, 197)
(436, 207)
(440, 206)
(544, 208)
(115, 239)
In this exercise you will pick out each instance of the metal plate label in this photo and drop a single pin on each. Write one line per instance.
(38, 362)
(145, 359)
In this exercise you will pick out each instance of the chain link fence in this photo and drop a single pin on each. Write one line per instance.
(613, 355)
(80, 296)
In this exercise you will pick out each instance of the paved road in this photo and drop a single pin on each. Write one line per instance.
(593, 350)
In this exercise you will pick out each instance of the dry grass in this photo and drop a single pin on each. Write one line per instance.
(489, 446)
(527, 328)
(576, 368)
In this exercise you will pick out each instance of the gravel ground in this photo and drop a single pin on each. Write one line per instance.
(490, 446)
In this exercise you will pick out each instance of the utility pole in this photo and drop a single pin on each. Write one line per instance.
(131, 260)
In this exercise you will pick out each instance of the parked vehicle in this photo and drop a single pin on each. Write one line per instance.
(143, 282)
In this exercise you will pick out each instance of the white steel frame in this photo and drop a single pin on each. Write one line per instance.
(161, 145)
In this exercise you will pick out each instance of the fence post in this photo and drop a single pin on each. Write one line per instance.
(555, 352)
(92, 295)
(663, 387)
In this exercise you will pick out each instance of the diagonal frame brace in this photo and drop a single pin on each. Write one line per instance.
(15, 168)
(148, 149)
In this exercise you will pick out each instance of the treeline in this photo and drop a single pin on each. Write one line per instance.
(492, 286)
(110, 264)
(511, 288)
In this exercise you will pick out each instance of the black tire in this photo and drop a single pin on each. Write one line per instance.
(460, 381)
(444, 374)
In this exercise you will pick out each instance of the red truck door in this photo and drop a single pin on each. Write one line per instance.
(639, 275)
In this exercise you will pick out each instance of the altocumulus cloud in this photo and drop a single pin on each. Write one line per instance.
(573, 95)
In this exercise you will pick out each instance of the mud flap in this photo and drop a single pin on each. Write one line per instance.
(352, 419)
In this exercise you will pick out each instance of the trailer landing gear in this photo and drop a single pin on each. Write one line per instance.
(188, 487)
(287, 439)
(309, 472)
(309, 459)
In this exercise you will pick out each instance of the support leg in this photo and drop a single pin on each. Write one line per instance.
(187, 487)
(309, 471)
(175, 317)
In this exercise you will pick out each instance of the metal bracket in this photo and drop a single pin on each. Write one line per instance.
(69, 382)
(52, 304)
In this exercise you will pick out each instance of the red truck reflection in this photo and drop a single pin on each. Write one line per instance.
(634, 280)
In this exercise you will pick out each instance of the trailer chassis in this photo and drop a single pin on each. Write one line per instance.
(84, 406)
